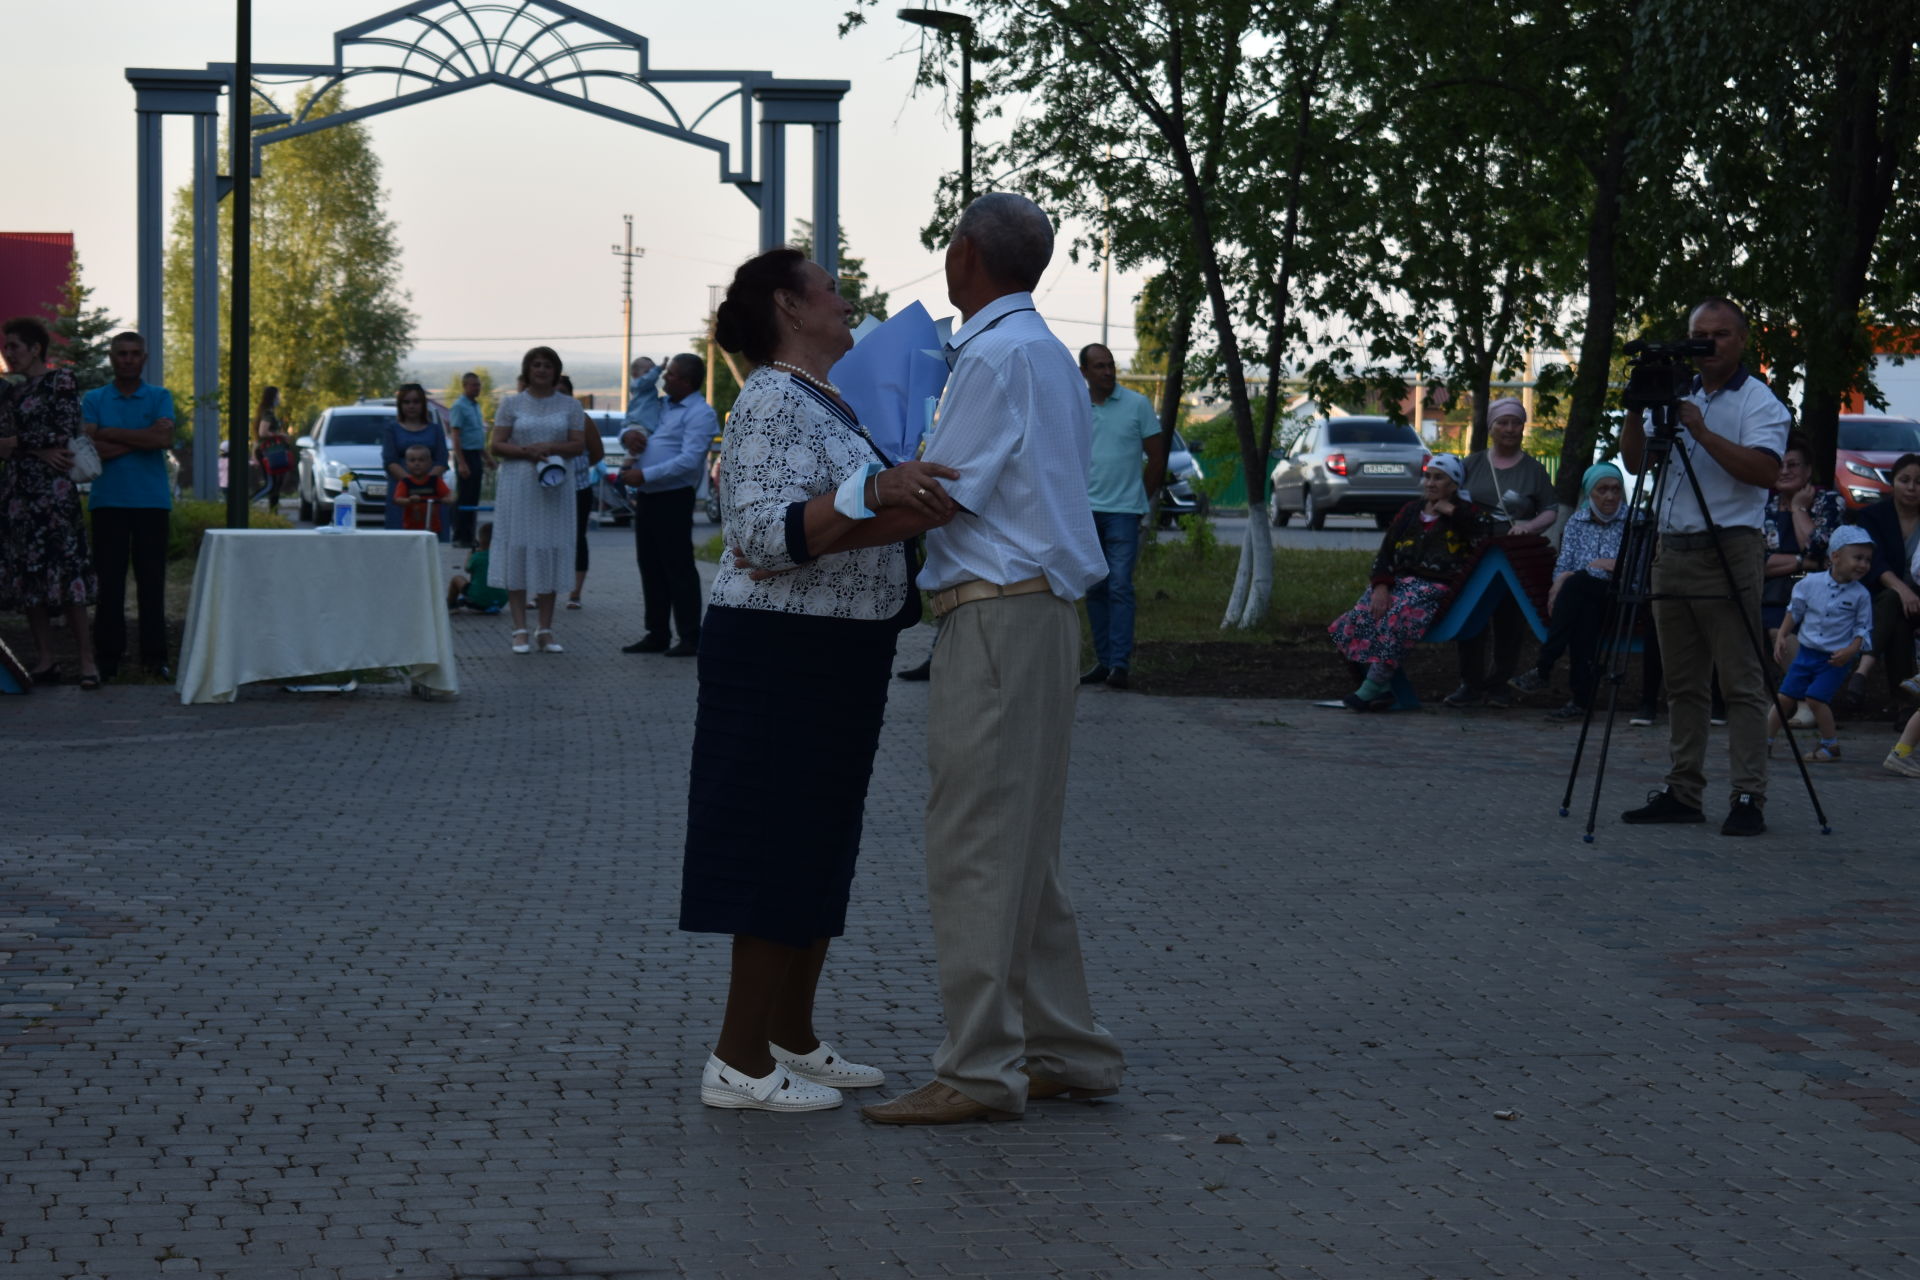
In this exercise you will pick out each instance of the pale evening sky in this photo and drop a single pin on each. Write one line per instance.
(506, 205)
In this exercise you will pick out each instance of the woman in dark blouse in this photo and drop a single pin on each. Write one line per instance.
(1894, 525)
(1425, 548)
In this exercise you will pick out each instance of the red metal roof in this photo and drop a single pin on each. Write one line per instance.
(33, 271)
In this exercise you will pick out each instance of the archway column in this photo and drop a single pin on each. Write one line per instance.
(159, 94)
(808, 102)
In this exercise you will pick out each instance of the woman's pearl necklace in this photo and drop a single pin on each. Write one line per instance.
(795, 369)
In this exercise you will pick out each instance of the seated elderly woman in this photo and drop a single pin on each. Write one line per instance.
(1424, 550)
(1577, 603)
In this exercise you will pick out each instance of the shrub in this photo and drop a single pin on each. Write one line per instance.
(192, 517)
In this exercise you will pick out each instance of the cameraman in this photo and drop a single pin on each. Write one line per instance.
(1735, 431)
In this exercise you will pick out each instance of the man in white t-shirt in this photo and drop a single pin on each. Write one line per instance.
(1016, 427)
(1734, 432)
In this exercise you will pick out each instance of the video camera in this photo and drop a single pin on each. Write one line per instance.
(1660, 375)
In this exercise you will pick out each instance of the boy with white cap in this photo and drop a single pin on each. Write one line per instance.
(1833, 615)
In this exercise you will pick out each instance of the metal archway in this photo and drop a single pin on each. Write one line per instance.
(437, 48)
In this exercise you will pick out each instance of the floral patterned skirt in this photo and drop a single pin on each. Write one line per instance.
(43, 540)
(1380, 642)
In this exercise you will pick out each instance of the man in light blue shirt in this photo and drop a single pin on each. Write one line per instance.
(470, 458)
(130, 506)
(664, 466)
(1124, 426)
(643, 394)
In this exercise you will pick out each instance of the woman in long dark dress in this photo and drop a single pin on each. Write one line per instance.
(795, 652)
(44, 563)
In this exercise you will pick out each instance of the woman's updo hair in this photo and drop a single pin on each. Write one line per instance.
(748, 322)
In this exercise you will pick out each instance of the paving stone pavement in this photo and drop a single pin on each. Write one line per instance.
(367, 988)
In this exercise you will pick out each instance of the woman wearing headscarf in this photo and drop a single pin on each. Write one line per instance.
(1577, 602)
(1512, 484)
(1424, 550)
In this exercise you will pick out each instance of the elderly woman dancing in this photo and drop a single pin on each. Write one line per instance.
(794, 658)
(1425, 548)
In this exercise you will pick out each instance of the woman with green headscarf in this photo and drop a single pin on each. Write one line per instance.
(1577, 604)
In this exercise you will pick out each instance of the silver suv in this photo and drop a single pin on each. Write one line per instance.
(1345, 466)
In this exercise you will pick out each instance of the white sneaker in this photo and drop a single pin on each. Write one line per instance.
(1803, 718)
(778, 1090)
(825, 1066)
(1907, 765)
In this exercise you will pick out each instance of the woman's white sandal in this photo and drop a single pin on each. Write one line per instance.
(779, 1090)
(825, 1066)
(549, 645)
(521, 646)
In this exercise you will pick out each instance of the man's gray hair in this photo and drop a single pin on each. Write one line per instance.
(1014, 237)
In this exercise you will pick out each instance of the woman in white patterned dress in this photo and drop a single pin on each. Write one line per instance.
(795, 652)
(532, 522)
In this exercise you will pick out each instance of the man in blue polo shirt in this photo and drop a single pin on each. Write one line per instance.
(1124, 426)
(470, 458)
(130, 505)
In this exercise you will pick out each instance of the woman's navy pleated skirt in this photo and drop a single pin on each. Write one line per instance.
(783, 746)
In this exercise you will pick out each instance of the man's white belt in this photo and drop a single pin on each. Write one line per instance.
(945, 602)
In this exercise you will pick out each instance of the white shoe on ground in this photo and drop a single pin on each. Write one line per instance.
(778, 1090)
(825, 1066)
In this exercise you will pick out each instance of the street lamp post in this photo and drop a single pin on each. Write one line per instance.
(957, 24)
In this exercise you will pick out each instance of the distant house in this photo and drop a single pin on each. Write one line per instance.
(34, 266)
(1899, 383)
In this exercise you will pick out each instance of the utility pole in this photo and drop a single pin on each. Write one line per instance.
(713, 322)
(240, 305)
(1106, 255)
(626, 256)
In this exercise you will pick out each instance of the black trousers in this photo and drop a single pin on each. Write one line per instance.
(663, 545)
(135, 536)
(1580, 621)
(466, 493)
(582, 508)
(1507, 629)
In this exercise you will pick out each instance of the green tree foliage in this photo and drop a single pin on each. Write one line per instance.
(1801, 201)
(330, 322)
(489, 398)
(1469, 246)
(1186, 129)
(853, 274)
(82, 332)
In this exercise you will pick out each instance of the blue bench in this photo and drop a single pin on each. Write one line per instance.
(1492, 578)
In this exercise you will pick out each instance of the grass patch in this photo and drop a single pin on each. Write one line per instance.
(711, 549)
(1181, 591)
(192, 517)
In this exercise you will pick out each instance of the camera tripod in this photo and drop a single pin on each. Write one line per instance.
(1631, 587)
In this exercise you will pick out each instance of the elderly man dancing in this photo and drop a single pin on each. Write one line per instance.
(1017, 427)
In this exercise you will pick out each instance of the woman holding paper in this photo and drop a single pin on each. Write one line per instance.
(794, 656)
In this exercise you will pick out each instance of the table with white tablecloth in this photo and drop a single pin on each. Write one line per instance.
(273, 603)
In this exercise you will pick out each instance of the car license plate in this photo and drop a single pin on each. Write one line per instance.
(1382, 469)
(375, 490)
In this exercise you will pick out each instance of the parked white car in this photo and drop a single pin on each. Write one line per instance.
(345, 442)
